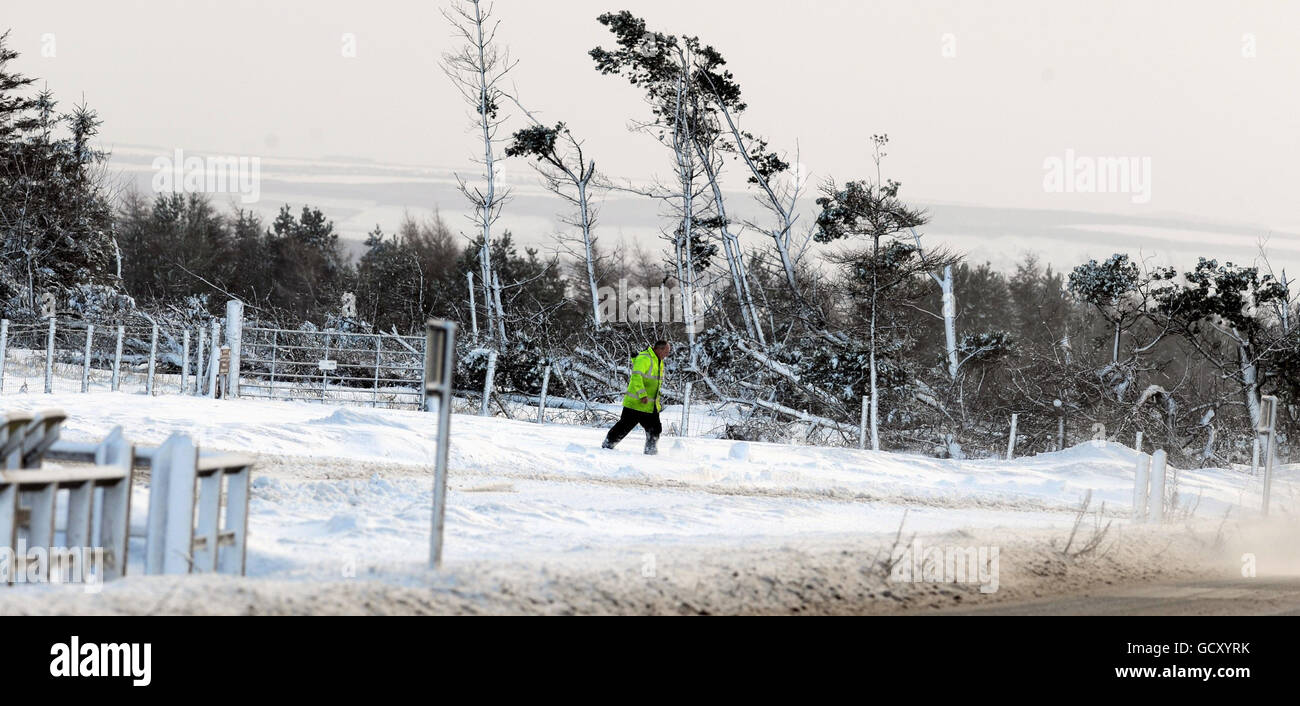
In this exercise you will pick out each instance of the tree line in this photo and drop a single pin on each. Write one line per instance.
(790, 318)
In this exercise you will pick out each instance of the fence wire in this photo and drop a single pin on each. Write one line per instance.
(375, 370)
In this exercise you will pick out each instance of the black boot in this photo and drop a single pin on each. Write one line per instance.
(607, 445)
(652, 446)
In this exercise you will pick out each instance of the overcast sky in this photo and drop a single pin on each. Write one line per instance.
(974, 95)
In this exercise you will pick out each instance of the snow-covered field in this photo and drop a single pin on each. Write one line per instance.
(341, 492)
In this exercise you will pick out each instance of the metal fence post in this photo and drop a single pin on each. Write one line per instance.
(117, 359)
(234, 339)
(85, 359)
(185, 359)
(541, 402)
(487, 383)
(49, 360)
(153, 360)
(439, 373)
(4, 350)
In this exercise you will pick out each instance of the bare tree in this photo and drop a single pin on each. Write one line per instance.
(478, 70)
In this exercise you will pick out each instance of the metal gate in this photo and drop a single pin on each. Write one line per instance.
(376, 370)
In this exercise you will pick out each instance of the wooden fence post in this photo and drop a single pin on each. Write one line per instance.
(234, 339)
(1011, 440)
(862, 424)
(85, 359)
(541, 403)
(153, 360)
(1140, 492)
(117, 360)
(214, 360)
(170, 531)
(185, 359)
(686, 410)
(49, 360)
(1156, 500)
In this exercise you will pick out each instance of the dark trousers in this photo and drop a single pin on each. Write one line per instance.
(631, 417)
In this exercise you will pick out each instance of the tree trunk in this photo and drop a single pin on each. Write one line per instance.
(586, 244)
(489, 161)
(875, 391)
(950, 321)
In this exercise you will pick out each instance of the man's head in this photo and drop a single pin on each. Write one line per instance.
(663, 349)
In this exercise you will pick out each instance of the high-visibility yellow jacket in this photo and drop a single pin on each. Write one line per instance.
(647, 372)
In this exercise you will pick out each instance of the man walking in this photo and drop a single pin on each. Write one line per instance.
(641, 405)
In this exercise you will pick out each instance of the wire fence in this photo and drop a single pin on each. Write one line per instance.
(375, 370)
(356, 369)
(60, 356)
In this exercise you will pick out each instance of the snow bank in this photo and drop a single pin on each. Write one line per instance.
(343, 488)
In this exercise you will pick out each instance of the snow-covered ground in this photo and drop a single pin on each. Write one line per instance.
(341, 491)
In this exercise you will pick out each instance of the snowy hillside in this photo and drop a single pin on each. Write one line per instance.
(346, 489)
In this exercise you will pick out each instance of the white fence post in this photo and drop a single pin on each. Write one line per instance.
(206, 537)
(686, 410)
(487, 383)
(85, 359)
(1156, 502)
(238, 487)
(170, 530)
(379, 357)
(1011, 440)
(1140, 489)
(1060, 425)
(214, 360)
(49, 360)
(234, 339)
(117, 359)
(541, 402)
(8, 518)
(198, 365)
(185, 359)
(862, 423)
(1137, 443)
(324, 372)
(1268, 426)
(4, 350)
(425, 406)
(113, 505)
(153, 360)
